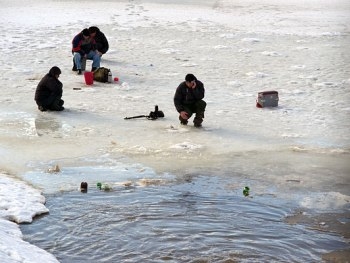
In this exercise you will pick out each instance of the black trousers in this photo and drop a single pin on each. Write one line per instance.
(196, 108)
(56, 105)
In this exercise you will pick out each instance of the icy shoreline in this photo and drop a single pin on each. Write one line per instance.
(19, 203)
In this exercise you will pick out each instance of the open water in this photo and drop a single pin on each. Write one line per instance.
(195, 219)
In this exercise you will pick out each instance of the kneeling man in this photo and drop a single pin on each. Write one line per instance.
(188, 100)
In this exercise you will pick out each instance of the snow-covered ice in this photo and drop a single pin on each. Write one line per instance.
(19, 203)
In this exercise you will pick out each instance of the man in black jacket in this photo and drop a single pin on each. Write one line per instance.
(102, 45)
(188, 99)
(49, 91)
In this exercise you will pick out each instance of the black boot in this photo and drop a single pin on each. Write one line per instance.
(198, 119)
(57, 105)
(197, 124)
(93, 69)
(42, 108)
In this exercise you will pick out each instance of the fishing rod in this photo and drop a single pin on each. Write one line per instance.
(153, 115)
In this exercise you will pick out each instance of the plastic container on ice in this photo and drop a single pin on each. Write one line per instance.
(89, 77)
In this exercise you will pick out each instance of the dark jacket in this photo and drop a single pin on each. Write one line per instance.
(101, 42)
(79, 44)
(48, 90)
(186, 96)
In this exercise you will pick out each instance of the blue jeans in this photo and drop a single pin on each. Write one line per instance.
(94, 56)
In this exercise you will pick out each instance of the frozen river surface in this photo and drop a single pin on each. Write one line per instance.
(176, 190)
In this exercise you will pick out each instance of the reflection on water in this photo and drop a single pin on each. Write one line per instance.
(46, 124)
(200, 220)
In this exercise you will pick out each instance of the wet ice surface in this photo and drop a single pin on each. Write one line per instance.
(292, 156)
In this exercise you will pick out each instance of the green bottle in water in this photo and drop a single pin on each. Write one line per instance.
(246, 191)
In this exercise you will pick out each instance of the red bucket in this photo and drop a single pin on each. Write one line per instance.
(89, 77)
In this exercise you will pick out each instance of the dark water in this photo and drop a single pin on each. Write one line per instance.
(201, 219)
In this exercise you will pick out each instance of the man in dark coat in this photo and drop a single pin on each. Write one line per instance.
(49, 91)
(102, 45)
(84, 47)
(188, 99)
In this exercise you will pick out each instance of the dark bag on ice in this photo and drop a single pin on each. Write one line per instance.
(101, 74)
(267, 99)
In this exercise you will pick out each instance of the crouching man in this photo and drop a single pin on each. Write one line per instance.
(188, 100)
(48, 94)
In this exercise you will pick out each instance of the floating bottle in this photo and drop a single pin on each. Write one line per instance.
(246, 191)
(84, 187)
